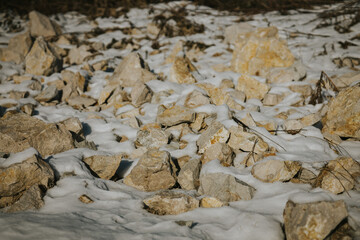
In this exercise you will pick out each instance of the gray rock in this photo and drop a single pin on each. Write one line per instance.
(104, 166)
(48, 94)
(41, 25)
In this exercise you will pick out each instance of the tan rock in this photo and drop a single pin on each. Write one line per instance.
(293, 126)
(140, 94)
(48, 94)
(81, 102)
(216, 133)
(290, 74)
(118, 98)
(176, 115)
(153, 172)
(211, 202)
(304, 176)
(198, 123)
(220, 151)
(252, 87)
(72, 124)
(178, 131)
(345, 80)
(179, 46)
(42, 59)
(41, 25)
(85, 199)
(30, 199)
(312, 220)
(196, 99)
(304, 89)
(170, 203)
(218, 96)
(232, 32)
(77, 55)
(75, 79)
(23, 78)
(104, 166)
(310, 119)
(246, 141)
(152, 137)
(180, 71)
(188, 177)
(275, 170)
(226, 84)
(152, 29)
(28, 108)
(17, 49)
(271, 99)
(343, 116)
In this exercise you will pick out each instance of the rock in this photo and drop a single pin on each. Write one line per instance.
(232, 32)
(179, 46)
(246, 141)
(196, 99)
(131, 70)
(218, 96)
(290, 74)
(19, 181)
(275, 170)
(220, 151)
(73, 125)
(312, 220)
(199, 123)
(140, 94)
(178, 131)
(176, 115)
(42, 59)
(152, 172)
(18, 95)
(31, 198)
(216, 133)
(304, 176)
(180, 71)
(153, 29)
(256, 53)
(271, 99)
(28, 108)
(170, 203)
(118, 98)
(76, 80)
(41, 25)
(310, 119)
(225, 187)
(293, 126)
(48, 94)
(152, 137)
(78, 55)
(339, 175)
(188, 177)
(211, 202)
(17, 49)
(20, 131)
(252, 87)
(85, 199)
(343, 116)
(104, 166)
(23, 78)
(80, 102)
(304, 89)
(346, 79)
(106, 93)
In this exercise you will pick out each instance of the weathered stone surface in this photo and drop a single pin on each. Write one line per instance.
(77, 55)
(275, 170)
(216, 133)
(28, 108)
(152, 137)
(225, 187)
(312, 220)
(291, 74)
(20, 131)
(179, 46)
(48, 94)
(170, 203)
(196, 99)
(310, 119)
(117, 98)
(20, 79)
(246, 141)
(72, 124)
(42, 59)
(255, 53)
(271, 99)
(153, 172)
(17, 49)
(339, 175)
(305, 176)
(217, 95)
(188, 177)
(140, 94)
(85, 199)
(41, 25)
(211, 202)
(81, 102)
(252, 87)
(346, 79)
(176, 115)
(220, 151)
(180, 71)
(304, 89)
(232, 32)
(153, 29)
(131, 70)
(31, 198)
(178, 131)
(343, 116)
(104, 166)
(77, 80)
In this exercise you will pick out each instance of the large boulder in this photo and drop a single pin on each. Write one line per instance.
(41, 25)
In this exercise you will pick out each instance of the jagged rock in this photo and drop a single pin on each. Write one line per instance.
(226, 84)
(17, 49)
(153, 29)
(153, 172)
(80, 102)
(179, 130)
(198, 123)
(304, 89)
(170, 203)
(220, 151)
(232, 32)
(217, 95)
(211, 202)
(179, 46)
(305, 176)
(41, 25)
(215, 133)
(196, 99)
(291, 74)
(42, 59)
(72, 124)
(180, 71)
(339, 175)
(256, 53)
(312, 220)
(28, 108)
(140, 94)
(77, 55)
(131, 70)
(104, 166)
(343, 116)
(275, 170)
(76, 80)
(271, 99)
(225, 187)
(176, 115)
(118, 98)
(252, 87)
(18, 95)
(310, 119)
(152, 137)
(188, 177)
(20, 131)
(346, 79)
(246, 141)
(106, 93)
(19, 183)
(85, 199)
(48, 94)
(293, 126)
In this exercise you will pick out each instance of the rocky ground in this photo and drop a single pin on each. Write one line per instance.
(180, 122)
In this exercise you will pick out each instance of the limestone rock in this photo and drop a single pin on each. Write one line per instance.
(17, 49)
(152, 29)
(346, 79)
(275, 170)
(272, 99)
(179, 46)
(140, 94)
(170, 203)
(72, 124)
(23, 78)
(180, 71)
(252, 87)
(225, 187)
(77, 80)
(312, 220)
(246, 141)
(48, 94)
(188, 177)
(176, 115)
(220, 151)
(232, 32)
(81, 102)
(304, 89)
(42, 59)
(216, 133)
(31, 198)
(131, 70)
(41, 25)
(343, 116)
(178, 131)
(211, 202)
(104, 166)
(196, 99)
(218, 96)
(153, 172)
(78, 55)
(152, 137)
(291, 74)
(339, 175)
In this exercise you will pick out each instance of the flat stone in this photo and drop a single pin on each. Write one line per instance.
(17, 49)
(290, 74)
(216, 133)
(196, 99)
(41, 25)
(77, 55)
(104, 166)
(246, 141)
(176, 115)
(252, 87)
(211, 202)
(152, 137)
(30, 199)
(48, 94)
(220, 151)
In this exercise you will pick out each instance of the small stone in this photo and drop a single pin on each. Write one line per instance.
(246, 141)
(188, 177)
(199, 123)
(48, 94)
(196, 99)
(170, 203)
(211, 202)
(179, 46)
(216, 133)
(20, 79)
(293, 126)
(104, 166)
(41, 25)
(153, 29)
(275, 170)
(252, 87)
(152, 137)
(180, 71)
(315, 220)
(78, 55)
(72, 124)
(75, 79)
(176, 115)
(85, 199)
(226, 84)
(178, 131)
(310, 119)
(304, 176)
(217, 95)
(152, 172)
(140, 94)
(290, 74)
(271, 99)
(346, 79)
(219, 151)
(79, 102)
(232, 32)
(28, 108)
